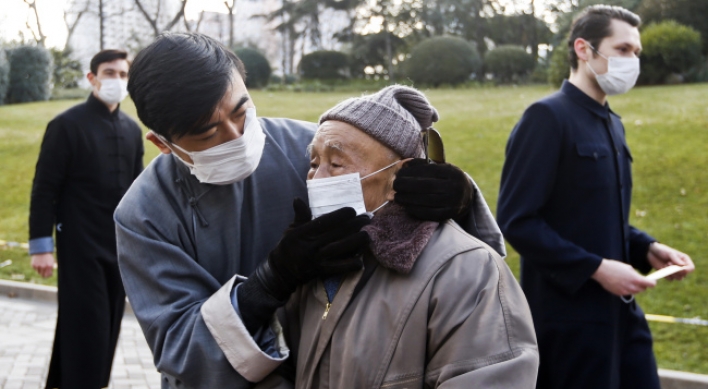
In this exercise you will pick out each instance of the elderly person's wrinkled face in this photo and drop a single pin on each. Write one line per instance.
(340, 148)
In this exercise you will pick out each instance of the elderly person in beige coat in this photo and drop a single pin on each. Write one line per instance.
(433, 307)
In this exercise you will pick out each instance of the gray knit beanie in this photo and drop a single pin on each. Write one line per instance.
(395, 116)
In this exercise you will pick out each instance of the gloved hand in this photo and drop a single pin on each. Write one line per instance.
(434, 192)
(322, 247)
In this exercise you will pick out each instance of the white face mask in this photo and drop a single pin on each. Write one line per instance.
(622, 74)
(113, 90)
(332, 193)
(228, 162)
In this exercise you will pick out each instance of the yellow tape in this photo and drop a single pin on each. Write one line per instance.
(10, 245)
(696, 321)
(660, 318)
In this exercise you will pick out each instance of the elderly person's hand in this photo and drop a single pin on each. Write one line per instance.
(434, 192)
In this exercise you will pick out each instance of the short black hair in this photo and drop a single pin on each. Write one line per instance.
(104, 56)
(593, 25)
(177, 82)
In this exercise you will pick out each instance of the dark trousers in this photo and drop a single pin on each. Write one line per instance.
(91, 304)
(587, 355)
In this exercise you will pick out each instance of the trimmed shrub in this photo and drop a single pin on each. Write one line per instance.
(442, 60)
(559, 66)
(290, 79)
(509, 63)
(670, 51)
(30, 74)
(257, 67)
(324, 65)
(4, 76)
(67, 71)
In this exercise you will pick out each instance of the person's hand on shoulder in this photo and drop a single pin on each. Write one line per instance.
(434, 192)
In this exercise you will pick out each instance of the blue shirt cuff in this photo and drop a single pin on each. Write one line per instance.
(41, 245)
(265, 337)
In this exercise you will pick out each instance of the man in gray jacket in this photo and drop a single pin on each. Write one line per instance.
(217, 206)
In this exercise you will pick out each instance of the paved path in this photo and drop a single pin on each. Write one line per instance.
(26, 335)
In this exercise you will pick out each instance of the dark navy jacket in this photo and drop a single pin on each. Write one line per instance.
(564, 205)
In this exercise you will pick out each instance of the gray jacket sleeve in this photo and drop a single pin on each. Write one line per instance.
(197, 339)
(480, 221)
(502, 350)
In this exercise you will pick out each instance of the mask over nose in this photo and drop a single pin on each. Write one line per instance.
(332, 193)
(228, 162)
(622, 74)
(113, 90)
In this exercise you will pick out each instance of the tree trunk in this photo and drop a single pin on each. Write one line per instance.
(389, 55)
(534, 31)
(100, 24)
(231, 21)
(292, 38)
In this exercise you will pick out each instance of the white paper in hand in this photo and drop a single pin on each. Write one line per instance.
(664, 272)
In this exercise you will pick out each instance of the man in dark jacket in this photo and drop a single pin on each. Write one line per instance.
(564, 206)
(89, 157)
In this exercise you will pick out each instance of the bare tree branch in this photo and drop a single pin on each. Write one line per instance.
(186, 23)
(177, 17)
(154, 21)
(71, 27)
(39, 37)
(199, 21)
(188, 26)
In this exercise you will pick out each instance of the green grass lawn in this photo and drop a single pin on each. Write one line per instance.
(667, 130)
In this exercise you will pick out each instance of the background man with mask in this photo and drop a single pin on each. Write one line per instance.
(89, 157)
(564, 206)
(218, 205)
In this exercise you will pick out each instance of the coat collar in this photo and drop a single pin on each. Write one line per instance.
(579, 97)
(99, 107)
(397, 239)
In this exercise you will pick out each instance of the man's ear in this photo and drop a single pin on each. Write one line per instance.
(92, 78)
(581, 49)
(157, 142)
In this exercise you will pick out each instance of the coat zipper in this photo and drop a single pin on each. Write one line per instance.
(326, 312)
(329, 300)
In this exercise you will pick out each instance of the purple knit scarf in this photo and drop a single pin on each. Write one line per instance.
(397, 239)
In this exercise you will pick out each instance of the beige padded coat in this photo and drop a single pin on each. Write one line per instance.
(458, 320)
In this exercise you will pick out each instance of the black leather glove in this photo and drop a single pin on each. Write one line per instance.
(434, 192)
(322, 247)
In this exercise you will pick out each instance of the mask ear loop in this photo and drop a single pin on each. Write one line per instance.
(598, 53)
(380, 170)
(371, 214)
(379, 207)
(169, 145)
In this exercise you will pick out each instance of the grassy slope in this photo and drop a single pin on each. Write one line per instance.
(667, 130)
